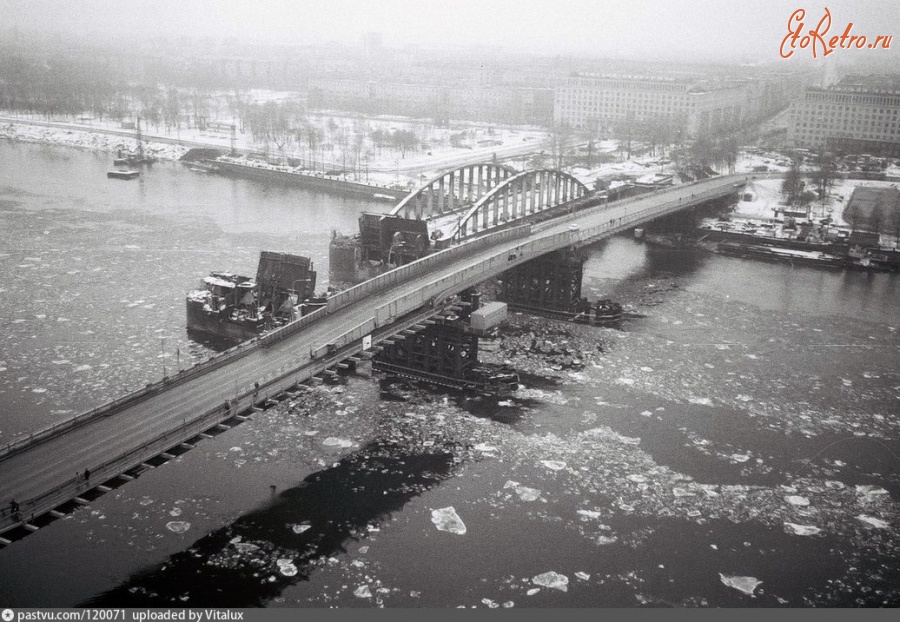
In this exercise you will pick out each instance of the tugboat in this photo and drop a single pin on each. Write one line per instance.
(601, 312)
(237, 308)
(136, 158)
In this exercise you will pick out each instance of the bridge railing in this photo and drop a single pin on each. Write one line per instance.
(114, 467)
(119, 403)
(349, 296)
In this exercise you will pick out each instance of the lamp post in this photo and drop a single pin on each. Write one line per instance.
(162, 351)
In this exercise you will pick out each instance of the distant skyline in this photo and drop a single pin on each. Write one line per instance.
(696, 30)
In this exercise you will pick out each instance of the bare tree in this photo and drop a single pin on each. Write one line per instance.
(824, 174)
(792, 185)
(560, 133)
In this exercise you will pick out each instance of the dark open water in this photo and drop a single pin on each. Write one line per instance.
(753, 403)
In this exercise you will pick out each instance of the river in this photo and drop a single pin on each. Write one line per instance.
(734, 444)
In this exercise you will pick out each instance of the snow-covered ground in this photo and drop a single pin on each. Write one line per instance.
(345, 142)
(85, 139)
(761, 206)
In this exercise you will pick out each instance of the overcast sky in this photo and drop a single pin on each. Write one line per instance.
(703, 29)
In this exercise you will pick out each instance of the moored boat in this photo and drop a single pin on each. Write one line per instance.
(237, 308)
(774, 253)
(122, 174)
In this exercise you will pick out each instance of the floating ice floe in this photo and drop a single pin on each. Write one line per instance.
(485, 448)
(604, 540)
(554, 465)
(625, 381)
(868, 493)
(286, 567)
(552, 580)
(555, 397)
(333, 441)
(634, 477)
(533, 591)
(683, 492)
(363, 591)
(797, 500)
(589, 513)
(739, 458)
(701, 401)
(628, 440)
(528, 494)
(583, 576)
(300, 527)
(178, 526)
(446, 519)
(801, 530)
(874, 522)
(747, 585)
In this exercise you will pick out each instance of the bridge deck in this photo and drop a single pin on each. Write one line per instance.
(44, 475)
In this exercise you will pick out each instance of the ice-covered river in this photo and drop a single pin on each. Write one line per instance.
(736, 446)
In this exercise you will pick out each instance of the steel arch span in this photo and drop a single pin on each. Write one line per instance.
(453, 190)
(519, 196)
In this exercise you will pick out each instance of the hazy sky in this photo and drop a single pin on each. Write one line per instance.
(706, 29)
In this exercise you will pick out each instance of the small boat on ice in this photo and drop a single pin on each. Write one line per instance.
(123, 174)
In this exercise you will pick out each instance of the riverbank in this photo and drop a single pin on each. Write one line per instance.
(99, 139)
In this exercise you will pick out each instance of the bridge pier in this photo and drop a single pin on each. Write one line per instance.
(551, 285)
(444, 353)
(439, 350)
(552, 282)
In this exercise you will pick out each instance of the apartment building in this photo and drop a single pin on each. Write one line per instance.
(854, 116)
(604, 102)
(469, 102)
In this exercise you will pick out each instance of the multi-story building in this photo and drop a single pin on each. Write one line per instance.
(606, 103)
(854, 116)
(469, 102)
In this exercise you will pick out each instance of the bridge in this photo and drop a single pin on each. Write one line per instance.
(489, 196)
(113, 443)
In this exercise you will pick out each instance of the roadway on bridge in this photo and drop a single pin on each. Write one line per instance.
(42, 467)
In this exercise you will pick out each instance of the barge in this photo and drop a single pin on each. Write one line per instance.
(774, 253)
(257, 169)
(236, 308)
